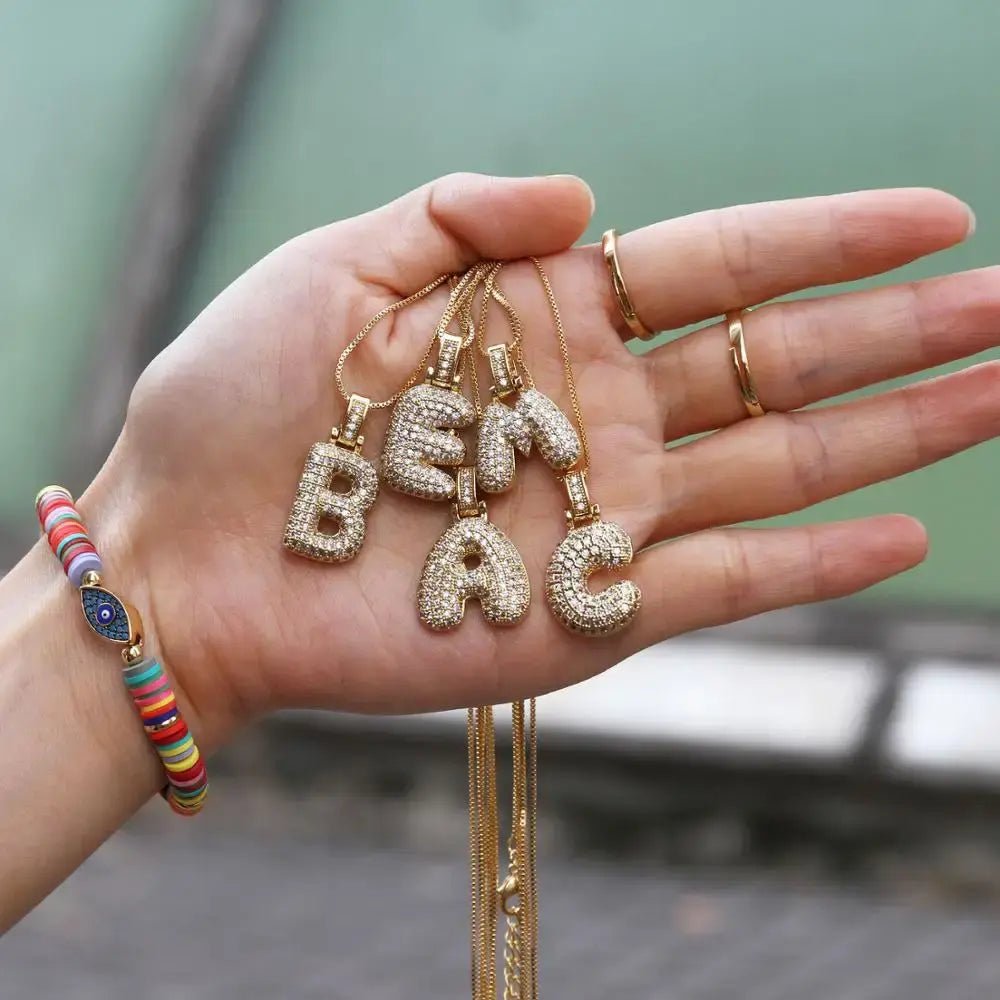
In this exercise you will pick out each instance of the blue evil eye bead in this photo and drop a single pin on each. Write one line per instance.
(105, 614)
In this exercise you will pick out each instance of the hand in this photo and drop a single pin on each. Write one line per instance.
(194, 498)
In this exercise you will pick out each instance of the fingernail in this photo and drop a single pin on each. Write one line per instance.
(972, 222)
(580, 180)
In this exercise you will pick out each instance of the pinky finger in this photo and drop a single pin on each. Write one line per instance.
(720, 576)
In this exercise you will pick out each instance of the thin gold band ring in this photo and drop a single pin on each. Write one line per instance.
(741, 365)
(609, 247)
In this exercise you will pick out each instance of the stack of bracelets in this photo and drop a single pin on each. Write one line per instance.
(113, 619)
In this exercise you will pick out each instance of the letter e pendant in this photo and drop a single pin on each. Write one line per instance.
(419, 435)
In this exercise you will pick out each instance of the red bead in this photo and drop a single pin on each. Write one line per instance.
(170, 734)
(47, 506)
(62, 530)
(152, 713)
(187, 784)
(74, 549)
(184, 776)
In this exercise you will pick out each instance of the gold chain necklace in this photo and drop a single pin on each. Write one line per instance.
(340, 458)
(590, 543)
(422, 429)
(516, 896)
(421, 438)
(533, 419)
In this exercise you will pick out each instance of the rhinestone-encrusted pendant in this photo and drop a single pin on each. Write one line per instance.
(419, 436)
(534, 417)
(499, 582)
(338, 458)
(590, 545)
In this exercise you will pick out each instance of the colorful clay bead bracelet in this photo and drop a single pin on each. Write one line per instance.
(113, 619)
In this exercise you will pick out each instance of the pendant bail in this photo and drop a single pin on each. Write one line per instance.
(581, 511)
(348, 435)
(506, 379)
(467, 502)
(445, 373)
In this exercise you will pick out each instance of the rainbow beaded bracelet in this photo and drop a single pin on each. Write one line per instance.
(113, 619)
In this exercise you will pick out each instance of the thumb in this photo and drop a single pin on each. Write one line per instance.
(449, 224)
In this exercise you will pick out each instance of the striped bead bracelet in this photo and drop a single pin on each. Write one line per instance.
(113, 619)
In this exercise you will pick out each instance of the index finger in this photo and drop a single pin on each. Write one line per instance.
(692, 268)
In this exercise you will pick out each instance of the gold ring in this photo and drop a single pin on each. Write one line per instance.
(609, 246)
(738, 353)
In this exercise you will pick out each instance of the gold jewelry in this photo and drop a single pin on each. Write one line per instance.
(499, 581)
(340, 458)
(609, 247)
(590, 544)
(532, 418)
(517, 895)
(741, 365)
(421, 434)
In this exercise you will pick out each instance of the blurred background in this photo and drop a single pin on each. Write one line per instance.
(806, 804)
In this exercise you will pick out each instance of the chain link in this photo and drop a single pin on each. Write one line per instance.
(338, 372)
(468, 282)
(567, 364)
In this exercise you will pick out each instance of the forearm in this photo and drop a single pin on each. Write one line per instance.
(76, 763)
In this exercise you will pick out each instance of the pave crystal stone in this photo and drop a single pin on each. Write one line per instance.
(499, 582)
(314, 500)
(534, 417)
(416, 441)
(599, 545)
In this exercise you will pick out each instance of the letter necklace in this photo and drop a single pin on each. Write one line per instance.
(340, 458)
(532, 418)
(499, 580)
(591, 544)
(517, 895)
(421, 434)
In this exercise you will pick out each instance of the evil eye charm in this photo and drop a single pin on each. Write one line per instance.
(106, 615)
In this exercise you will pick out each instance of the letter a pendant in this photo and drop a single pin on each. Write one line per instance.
(499, 581)
(338, 458)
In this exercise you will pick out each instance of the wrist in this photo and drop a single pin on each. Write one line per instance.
(142, 567)
(77, 762)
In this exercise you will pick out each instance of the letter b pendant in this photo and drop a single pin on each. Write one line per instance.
(338, 458)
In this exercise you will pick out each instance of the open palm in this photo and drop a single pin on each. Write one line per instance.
(197, 490)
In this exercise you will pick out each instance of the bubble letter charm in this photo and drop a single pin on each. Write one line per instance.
(338, 458)
(534, 417)
(591, 544)
(416, 440)
(315, 500)
(499, 582)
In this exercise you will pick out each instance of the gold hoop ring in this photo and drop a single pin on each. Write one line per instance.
(609, 247)
(741, 365)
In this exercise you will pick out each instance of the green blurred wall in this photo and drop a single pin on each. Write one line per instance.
(81, 87)
(665, 108)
